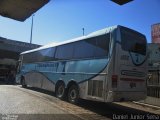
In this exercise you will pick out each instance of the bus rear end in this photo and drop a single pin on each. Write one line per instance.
(130, 71)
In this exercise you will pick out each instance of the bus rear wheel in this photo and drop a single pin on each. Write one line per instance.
(73, 94)
(60, 90)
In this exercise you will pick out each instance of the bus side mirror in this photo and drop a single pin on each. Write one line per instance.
(18, 63)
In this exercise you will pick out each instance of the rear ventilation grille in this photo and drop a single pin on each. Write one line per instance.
(95, 88)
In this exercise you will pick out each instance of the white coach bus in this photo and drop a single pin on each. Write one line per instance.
(107, 65)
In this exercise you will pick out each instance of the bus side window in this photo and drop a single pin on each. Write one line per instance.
(84, 49)
(64, 52)
(46, 54)
(93, 47)
(103, 42)
(40, 56)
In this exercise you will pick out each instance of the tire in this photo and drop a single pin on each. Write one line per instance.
(73, 94)
(23, 83)
(60, 90)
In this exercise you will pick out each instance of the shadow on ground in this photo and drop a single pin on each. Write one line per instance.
(105, 109)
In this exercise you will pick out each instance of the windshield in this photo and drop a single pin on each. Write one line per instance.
(133, 41)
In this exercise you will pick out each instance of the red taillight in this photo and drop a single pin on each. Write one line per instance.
(114, 81)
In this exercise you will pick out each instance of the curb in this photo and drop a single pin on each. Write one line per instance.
(148, 105)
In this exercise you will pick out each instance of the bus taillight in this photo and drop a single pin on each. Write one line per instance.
(114, 81)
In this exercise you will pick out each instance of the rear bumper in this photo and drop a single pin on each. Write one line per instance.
(126, 96)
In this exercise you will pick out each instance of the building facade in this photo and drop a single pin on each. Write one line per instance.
(153, 82)
(9, 54)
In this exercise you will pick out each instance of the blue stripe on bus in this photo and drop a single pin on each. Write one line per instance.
(34, 71)
(79, 71)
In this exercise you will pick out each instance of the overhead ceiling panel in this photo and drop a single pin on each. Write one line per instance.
(20, 9)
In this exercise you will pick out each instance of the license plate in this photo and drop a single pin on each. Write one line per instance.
(132, 85)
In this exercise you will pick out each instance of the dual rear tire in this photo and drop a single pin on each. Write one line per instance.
(71, 93)
(60, 90)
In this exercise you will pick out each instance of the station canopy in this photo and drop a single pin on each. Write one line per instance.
(121, 2)
(20, 9)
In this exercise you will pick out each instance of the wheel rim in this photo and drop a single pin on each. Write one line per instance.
(73, 95)
(60, 91)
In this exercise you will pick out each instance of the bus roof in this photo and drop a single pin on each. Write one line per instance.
(93, 34)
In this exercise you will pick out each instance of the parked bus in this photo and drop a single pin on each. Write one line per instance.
(107, 65)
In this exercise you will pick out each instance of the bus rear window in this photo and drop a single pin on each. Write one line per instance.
(133, 41)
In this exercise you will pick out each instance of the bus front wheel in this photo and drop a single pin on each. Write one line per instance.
(73, 94)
